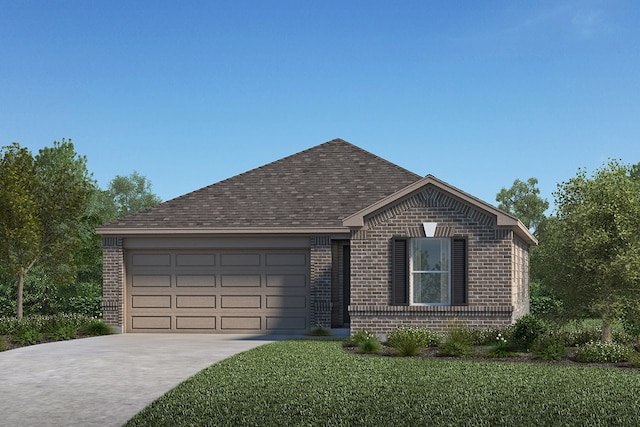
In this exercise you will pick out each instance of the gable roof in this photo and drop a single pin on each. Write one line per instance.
(503, 219)
(313, 190)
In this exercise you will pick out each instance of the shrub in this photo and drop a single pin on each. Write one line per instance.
(500, 347)
(95, 327)
(634, 359)
(358, 338)
(487, 336)
(320, 331)
(527, 330)
(27, 335)
(458, 342)
(3, 344)
(8, 325)
(411, 341)
(62, 332)
(550, 347)
(602, 352)
(370, 345)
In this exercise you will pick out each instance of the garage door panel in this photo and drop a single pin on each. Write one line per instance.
(151, 301)
(286, 323)
(237, 280)
(240, 260)
(226, 291)
(140, 281)
(286, 280)
(151, 260)
(240, 301)
(290, 302)
(195, 301)
(195, 260)
(196, 322)
(253, 323)
(151, 322)
(286, 260)
(200, 280)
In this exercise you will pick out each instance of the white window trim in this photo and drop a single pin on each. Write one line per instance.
(412, 272)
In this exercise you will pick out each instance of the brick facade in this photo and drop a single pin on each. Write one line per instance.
(113, 281)
(497, 266)
(321, 272)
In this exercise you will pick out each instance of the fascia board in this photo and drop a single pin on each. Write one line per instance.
(144, 231)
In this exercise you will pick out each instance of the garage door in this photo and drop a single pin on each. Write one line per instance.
(235, 291)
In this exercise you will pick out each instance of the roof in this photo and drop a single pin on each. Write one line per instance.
(313, 190)
(503, 219)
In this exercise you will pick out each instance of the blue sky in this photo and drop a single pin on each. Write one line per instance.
(189, 93)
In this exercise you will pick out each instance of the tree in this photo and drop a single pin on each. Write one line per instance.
(591, 253)
(523, 200)
(131, 194)
(42, 200)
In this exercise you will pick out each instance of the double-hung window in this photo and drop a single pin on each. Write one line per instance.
(430, 271)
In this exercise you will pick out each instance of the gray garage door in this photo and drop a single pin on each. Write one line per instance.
(235, 291)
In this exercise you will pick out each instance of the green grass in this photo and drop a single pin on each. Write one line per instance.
(308, 383)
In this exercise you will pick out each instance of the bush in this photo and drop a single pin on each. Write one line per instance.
(487, 336)
(527, 330)
(500, 347)
(320, 331)
(458, 342)
(550, 347)
(4, 345)
(62, 332)
(370, 345)
(95, 327)
(601, 352)
(358, 338)
(27, 335)
(411, 341)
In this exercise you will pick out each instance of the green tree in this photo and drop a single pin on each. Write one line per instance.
(42, 200)
(131, 194)
(523, 200)
(591, 250)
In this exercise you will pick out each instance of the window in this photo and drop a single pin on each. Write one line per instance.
(430, 271)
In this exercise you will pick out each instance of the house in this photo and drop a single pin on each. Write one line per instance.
(330, 236)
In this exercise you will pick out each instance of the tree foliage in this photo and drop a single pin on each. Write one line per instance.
(591, 249)
(131, 194)
(523, 200)
(42, 200)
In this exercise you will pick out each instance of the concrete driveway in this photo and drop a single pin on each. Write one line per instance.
(104, 381)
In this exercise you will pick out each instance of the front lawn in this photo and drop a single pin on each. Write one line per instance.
(308, 382)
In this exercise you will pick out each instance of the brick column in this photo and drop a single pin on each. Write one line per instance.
(112, 281)
(320, 281)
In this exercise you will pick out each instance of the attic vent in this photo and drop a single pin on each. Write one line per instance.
(429, 228)
(111, 242)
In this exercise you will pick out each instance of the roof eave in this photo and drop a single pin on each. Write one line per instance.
(503, 219)
(143, 231)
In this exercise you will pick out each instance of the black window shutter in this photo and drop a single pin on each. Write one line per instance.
(399, 271)
(459, 272)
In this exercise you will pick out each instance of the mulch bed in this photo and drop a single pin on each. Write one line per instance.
(480, 356)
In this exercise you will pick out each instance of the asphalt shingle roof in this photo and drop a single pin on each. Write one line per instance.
(315, 188)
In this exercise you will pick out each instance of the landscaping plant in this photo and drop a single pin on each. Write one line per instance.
(457, 343)
(603, 352)
(500, 348)
(408, 341)
(527, 330)
(550, 347)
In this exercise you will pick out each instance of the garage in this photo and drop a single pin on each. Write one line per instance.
(217, 291)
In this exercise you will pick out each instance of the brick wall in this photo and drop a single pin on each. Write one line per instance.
(520, 288)
(112, 281)
(320, 255)
(490, 264)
